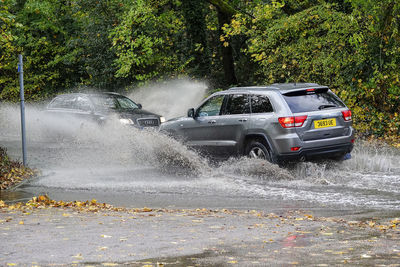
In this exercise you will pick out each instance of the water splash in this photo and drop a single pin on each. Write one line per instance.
(171, 98)
(255, 168)
(117, 158)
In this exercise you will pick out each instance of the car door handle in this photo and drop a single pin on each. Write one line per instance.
(242, 120)
(212, 121)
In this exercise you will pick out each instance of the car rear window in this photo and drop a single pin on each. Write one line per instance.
(312, 100)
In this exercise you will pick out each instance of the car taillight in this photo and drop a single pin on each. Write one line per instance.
(290, 122)
(346, 115)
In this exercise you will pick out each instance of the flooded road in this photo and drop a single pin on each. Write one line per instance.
(136, 168)
(243, 211)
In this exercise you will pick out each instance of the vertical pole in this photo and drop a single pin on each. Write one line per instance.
(21, 92)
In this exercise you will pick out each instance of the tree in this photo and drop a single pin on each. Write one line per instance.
(92, 46)
(225, 15)
(8, 52)
(147, 41)
(194, 12)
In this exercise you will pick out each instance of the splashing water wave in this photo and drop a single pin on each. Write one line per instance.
(85, 156)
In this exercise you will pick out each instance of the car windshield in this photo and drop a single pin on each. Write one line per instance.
(113, 102)
(304, 101)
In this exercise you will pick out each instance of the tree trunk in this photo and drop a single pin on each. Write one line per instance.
(227, 53)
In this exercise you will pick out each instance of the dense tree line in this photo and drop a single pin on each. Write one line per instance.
(351, 45)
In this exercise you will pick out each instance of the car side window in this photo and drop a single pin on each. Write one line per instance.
(237, 104)
(64, 102)
(82, 103)
(260, 104)
(212, 107)
(57, 102)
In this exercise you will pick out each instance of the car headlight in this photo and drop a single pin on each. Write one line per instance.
(162, 119)
(126, 121)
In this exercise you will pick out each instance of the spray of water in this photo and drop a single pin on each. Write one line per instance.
(170, 98)
(84, 155)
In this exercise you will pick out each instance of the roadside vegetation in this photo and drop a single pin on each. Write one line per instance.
(12, 172)
(353, 46)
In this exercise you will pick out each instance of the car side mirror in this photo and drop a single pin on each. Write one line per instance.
(190, 113)
(140, 106)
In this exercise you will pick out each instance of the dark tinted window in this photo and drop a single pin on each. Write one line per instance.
(212, 107)
(113, 102)
(237, 104)
(303, 101)
(260, 104)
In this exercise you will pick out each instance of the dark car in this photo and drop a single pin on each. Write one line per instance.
(279, 123)
(100, 107)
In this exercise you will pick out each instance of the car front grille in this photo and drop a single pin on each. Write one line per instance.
(148, 122)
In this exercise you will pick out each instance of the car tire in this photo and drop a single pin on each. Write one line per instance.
(257, 149)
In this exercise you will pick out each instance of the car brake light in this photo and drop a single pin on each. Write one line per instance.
(310, 90)
(290, 122)
(346, 115)
(296, 148)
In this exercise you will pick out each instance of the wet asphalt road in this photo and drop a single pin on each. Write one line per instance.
(153, 170)
(65, 237)
(137, 169)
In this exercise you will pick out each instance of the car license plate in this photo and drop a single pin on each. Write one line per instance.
(325, 123)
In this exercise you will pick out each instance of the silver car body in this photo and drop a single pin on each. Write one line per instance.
(228, 134)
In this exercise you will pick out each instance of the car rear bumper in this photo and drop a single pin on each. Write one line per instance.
(323, 152)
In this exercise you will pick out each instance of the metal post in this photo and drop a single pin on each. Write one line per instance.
(21, 92)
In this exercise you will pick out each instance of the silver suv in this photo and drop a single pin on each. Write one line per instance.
(279, 123)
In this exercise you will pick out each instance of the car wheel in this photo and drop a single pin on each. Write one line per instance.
(256, 149)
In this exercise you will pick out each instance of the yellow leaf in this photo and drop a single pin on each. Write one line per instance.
(327, 233)
(21, 222)
(78, 256)
(145, 209)
(226, 44)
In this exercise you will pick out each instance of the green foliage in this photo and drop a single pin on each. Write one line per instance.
(45, 27)
(356, 54)
(91, 44)
(194, 13)
(144, 41)
(8, 50)
(353, 46)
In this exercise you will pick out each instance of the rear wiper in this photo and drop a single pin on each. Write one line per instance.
(326, 106)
